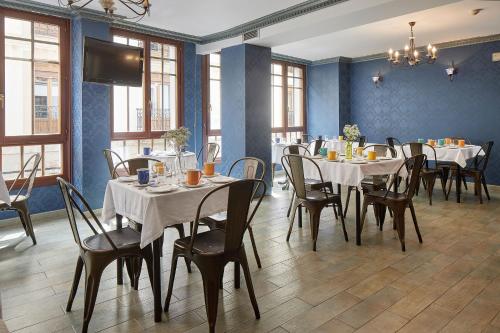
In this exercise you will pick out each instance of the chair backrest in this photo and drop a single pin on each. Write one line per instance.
(307, 138)
(131, 165)
(481, 161)
(315, 145)
(382, 150)
(413, 165)
(417, 148)
(250, 168)
(295, 172)
(31, 165)
(296, 150)
(212, 149)
(240, 195)
(109, 155)
(361, 141)
(76, 203)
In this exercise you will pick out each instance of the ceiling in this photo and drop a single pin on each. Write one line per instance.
(351, 28)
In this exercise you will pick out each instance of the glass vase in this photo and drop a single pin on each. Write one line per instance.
(348, 150)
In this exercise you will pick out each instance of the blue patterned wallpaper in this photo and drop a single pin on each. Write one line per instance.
(423, 103)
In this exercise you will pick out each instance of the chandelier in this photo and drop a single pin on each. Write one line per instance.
(139, 8)
(411, 55)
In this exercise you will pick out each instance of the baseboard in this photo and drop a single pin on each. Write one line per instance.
(41, 217)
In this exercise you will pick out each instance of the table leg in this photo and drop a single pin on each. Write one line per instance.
(459, 182)
(237, 275)
(300, 216)
(358, 217)
(157, 279)
(119, 261)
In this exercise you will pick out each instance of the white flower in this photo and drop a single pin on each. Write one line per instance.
(351, 132)
(178, 137)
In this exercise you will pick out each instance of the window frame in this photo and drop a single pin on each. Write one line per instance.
(285, 128)
(147, 133)
(64, 137)
(205, 77)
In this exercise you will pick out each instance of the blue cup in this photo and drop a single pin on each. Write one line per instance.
(143, 176)
(441, 142)
(420, 140)
(146, 151)
(323, 151)
(277, 140)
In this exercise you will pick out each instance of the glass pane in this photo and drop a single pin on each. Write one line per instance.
(159, 145)
(46, 32)
(53, 160)
(295, 115)
(157, 113)
(214, 59)
(131, 148)
(218, 140)
(47, 101)
(119, 109)
(17, 49)
(277, 96)
(120, 39)
(297, 72)
(156, 50)
(119, 148)
(28, 152)
(46, 52)
(17, 28)
(290, 81)
(145, 143)
(136, 109)
(276, 69)
(169, 52)
(297, 83)
(18, 98)
(169, 67)
(170, 101)
(214, 73)
(215, 105)
(11, 162)
(135, 42)
(277, 80)
(289, 71)
(155, 66)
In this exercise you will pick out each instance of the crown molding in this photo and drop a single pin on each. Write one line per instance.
(303, 8)
(282, 57)
(332, 61)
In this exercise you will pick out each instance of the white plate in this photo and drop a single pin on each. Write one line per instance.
(337, 160)
(162, 188)
(212, 176)
(356, 161)
(127, 179)
(316, 157)
(141, 185)
(384, 158)
(221, 180)
(200, 184)
(372, 161)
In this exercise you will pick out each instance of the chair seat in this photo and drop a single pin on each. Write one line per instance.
(206, 243)
(390, 195)
(123, 238)
(3, 205)
(320, 196)
(430, 171)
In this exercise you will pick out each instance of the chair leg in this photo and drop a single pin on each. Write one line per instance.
(237, 276)
(147, 255)
(339, 205)
(291, 219)
(248, 279)
(399, 221)
(93, 278)
(415, 223)
(430, 187)
(131, 270)
(483, 180)
(23, 208)
(349, 189)
(180, 230)
(254, 247)
(465, 183)
(315, 215)
(76, 281)
(291, 204)
(477, 186)
(173, 268)
(363, 213)
(211, 290)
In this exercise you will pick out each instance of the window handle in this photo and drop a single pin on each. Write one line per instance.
(2, 100)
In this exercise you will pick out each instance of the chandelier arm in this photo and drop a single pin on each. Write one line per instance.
(77, 7)
(132, 9)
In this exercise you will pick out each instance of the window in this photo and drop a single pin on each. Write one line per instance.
(288, 101)
(212, 100)
(34, 111)
(140, 115)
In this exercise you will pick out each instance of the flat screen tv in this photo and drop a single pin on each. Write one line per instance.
(112, 63)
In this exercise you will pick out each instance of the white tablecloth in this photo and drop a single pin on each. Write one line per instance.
(277, 151)
(4, 192)
(447, 154)
(350, 174)
(188, 159)
(157, 211)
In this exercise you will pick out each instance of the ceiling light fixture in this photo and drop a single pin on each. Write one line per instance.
(411, 55)
(139, 8)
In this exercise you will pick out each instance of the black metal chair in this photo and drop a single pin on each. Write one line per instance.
(212, 150)
(314, 200)
(98, 250)
(398, 202)
(19, 201)
(212, 250)
(111, 156)
(314, 146)
(394, 142)
(476, 171)
(306, 138)
(361, 141)
(430, 171)
(251, 168)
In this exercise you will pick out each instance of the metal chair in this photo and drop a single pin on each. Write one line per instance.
(252, 168)
(361, 141)
(315, 145)
(393, 142)
(109, 155)
(19, 201)
(476, 171)
(212, 250)
(306, 138)
(429, 173)
(212, 150)
(314, 200)
(398, 202)
(98, 250)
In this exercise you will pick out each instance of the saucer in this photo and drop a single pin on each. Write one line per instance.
(212, 176)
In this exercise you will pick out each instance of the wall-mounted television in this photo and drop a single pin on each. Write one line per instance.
(112, 63)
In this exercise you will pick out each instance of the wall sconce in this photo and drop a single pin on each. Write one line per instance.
(377, 79)
(451, 71)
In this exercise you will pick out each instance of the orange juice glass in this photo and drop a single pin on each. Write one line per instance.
(359, 151)
(447, 141)
(209, 168)
(372, 155)
(332, 155)
(193, 176)
(461, 143)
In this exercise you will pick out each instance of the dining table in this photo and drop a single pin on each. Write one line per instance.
(352, 172)
(157, 206)
(450, 154)
(4, 191)
(188, 159)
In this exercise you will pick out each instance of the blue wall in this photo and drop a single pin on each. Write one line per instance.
(423, 103)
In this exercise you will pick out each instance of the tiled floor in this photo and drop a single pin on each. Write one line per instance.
(450, 283)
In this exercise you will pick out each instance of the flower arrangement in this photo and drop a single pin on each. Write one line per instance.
(177, 137)
(351, 132)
